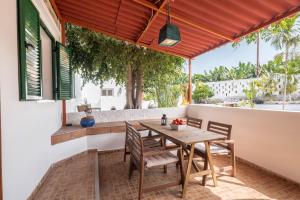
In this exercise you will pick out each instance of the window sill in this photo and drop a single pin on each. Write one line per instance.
(45, 101)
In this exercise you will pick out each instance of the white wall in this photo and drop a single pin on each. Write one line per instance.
(104, 142)
(26, 126)
(270, 139)
(230, 88)
(130, 114)
(92, 93)
(235, 88)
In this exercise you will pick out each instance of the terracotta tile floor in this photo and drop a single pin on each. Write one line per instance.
(73, 179)
(250, 183)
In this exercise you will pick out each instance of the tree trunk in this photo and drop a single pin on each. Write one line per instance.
(257, 55)
(285, 76)
(134, 82)
(139, 88)
(129, 88)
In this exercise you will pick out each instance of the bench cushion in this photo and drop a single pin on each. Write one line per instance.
(214, 149)
(163, 159)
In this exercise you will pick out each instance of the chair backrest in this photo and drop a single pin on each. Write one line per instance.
(197, 123)
(127, 123)
(136, 144)
(224, 129)
(128, 132)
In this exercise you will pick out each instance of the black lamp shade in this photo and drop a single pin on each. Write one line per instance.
(169, 35)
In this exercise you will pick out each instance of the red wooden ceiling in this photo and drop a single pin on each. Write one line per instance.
(204, 24)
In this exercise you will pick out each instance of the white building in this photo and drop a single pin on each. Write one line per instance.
(109, 96)
(235, 88)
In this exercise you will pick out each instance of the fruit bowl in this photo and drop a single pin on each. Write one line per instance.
(177, 124)
(178, 127)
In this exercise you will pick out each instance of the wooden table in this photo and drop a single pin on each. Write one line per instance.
(188, 136)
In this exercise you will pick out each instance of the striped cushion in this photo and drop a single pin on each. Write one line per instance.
(163, 159)
(214, 149)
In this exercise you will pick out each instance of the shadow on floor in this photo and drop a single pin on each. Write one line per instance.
(250, 183)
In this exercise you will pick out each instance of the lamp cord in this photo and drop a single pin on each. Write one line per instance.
(168, 12)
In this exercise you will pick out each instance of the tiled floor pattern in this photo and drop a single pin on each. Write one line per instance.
(72, 180)
(250, 183)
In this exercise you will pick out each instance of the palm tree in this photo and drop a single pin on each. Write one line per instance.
(267, 82)
(258, 69)
(285, 35)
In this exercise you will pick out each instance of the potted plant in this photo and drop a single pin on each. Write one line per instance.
(88, 120)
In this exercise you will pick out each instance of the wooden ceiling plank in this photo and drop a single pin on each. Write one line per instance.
(174, 16)
(289, 13)
(151, 20)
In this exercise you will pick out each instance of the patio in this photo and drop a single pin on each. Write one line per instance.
(43, 158)
(75, 180)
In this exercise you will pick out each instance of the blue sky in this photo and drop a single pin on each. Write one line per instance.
(228, 56)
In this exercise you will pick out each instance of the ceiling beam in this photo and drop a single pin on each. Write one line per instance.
(118, 14)
(54, 6)
(95, 28)
(182, 19)
(151, 20)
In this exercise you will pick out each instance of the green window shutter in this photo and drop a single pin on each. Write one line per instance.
(30, 72)
(64, 73)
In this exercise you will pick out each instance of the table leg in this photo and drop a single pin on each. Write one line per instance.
(188, 170)
(211, 165)
(181, 157)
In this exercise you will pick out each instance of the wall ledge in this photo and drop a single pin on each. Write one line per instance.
(68, 133)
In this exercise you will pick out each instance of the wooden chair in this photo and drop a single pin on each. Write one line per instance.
(142, 159)
(150, 141)
(194, 122)
(223, 147)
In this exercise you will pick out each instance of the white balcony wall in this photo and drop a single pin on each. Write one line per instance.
(270, 139)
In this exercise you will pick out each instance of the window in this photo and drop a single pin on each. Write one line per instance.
(47, 65)
(30, 73)
(44, 68)
(64, 73)
(107, 92)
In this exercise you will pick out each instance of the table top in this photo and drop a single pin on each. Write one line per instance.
(189, 135)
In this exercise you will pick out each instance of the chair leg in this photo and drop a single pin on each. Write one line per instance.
(211, 164)
(125, 152)
(164, 143)
(165, 169)
(233, 161)
(141, 182)
(205, 168)
(131, 167)
(180, 155)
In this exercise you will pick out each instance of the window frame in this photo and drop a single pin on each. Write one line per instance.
(106, 92)
(53, 58)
